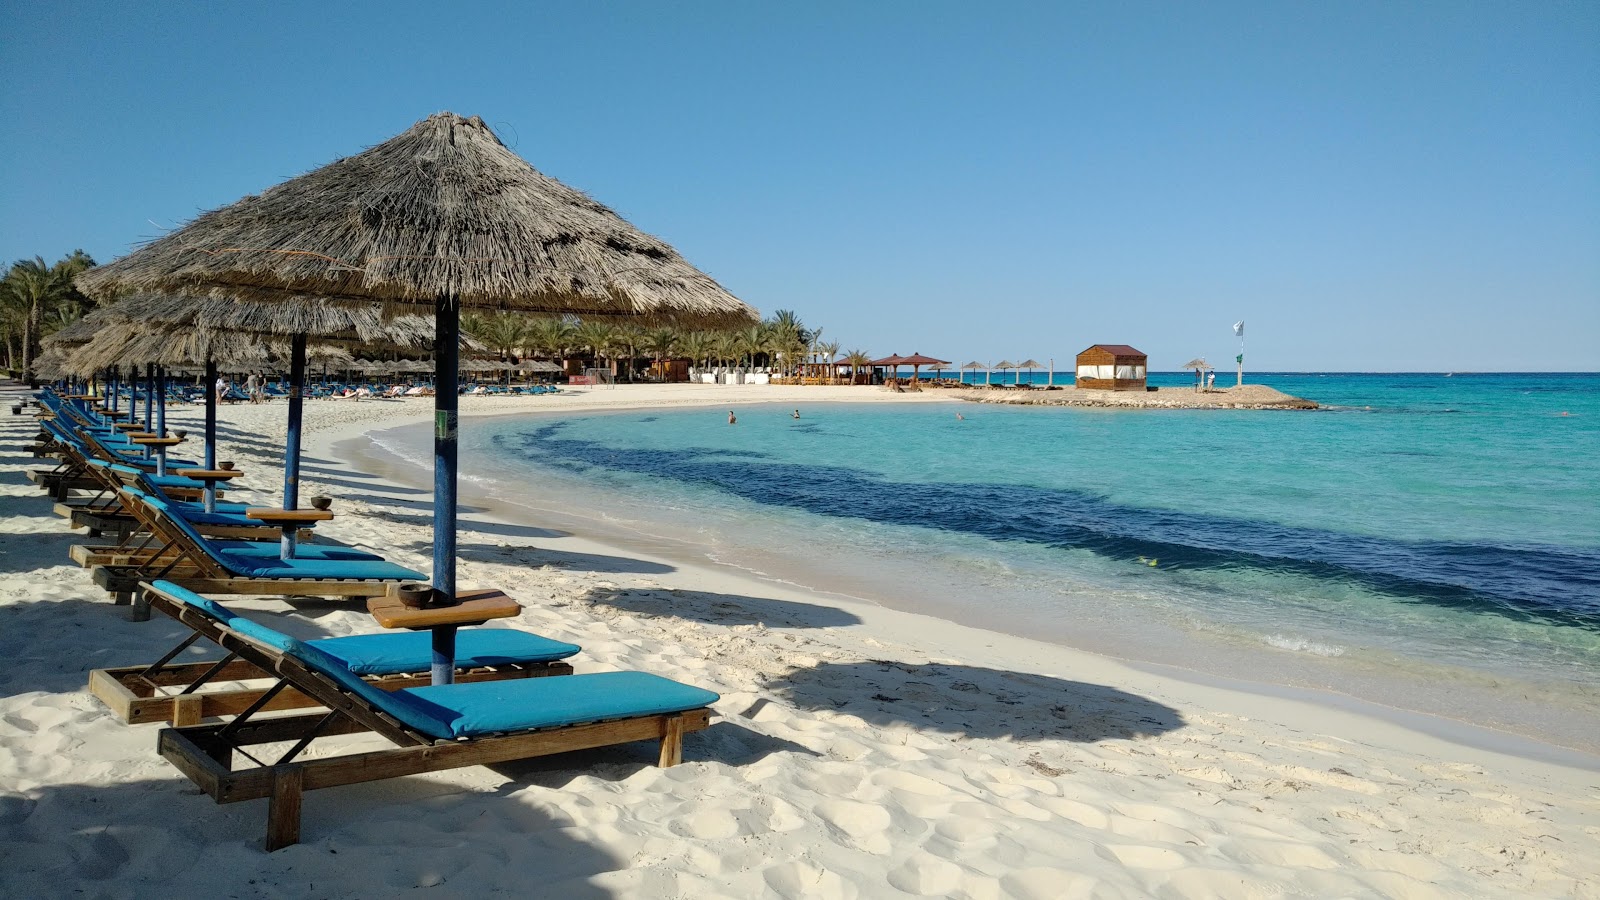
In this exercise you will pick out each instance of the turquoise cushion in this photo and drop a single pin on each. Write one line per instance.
(412, 651)
(273, 567)
(306, 551)
(205, 604)
(414, 712)
(300, 567)
(523, 704)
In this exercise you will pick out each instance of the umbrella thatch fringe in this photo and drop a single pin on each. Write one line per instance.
(441, 210)
(175, 330)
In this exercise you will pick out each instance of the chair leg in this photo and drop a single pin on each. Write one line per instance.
(141, 607)
(186, 709)
(283, 807)
(672, 743)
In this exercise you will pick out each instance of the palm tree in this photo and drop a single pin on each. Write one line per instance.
(596, 337)
(698, 346)
(858, 360)
(661, 343)
(828, 352)
(504, 333)
(551, 337)
(31, 287)
(750, 341)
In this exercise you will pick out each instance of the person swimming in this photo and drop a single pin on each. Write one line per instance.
(796, 414)
(732, 419)
(960, 417)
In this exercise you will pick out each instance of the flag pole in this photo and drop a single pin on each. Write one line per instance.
(1238, 329)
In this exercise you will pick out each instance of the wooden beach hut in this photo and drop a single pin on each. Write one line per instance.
(1112, 367)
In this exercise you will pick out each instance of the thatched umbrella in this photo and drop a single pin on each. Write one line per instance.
(163, 329)
(1199, 365)
(1030, 365)
(973, 367)
(1004, 365)
(445, 216)
(917, 361)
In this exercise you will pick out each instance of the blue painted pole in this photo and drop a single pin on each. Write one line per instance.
(291, 450)
(161, 401)
(149, 400)
(446, 406)
(210, 461)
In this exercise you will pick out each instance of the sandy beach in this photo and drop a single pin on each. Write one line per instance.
(857, 751)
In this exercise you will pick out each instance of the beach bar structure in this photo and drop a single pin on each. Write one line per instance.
(1112, 367)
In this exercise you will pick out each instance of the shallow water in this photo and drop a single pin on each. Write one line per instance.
(1429, 543)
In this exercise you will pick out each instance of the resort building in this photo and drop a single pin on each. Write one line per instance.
(1111, 367)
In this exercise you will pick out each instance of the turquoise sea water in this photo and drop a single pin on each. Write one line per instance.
(1427, 542)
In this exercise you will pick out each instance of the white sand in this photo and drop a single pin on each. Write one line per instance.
(857, 752)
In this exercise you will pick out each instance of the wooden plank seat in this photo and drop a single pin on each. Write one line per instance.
(433, 728)
(200, 566)
(184, 693)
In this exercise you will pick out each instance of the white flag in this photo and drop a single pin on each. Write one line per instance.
(1238, 328)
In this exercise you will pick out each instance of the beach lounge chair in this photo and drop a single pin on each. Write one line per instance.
(433, 728)
(184, 693)
(193, 561)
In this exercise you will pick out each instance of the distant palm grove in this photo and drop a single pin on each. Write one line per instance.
(38, 298)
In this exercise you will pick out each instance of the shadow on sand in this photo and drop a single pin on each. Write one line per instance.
(377, 839)
(721, 609)
(977, 702)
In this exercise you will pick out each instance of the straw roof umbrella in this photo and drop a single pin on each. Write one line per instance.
(1005, 365)
(917, 361)
(1030, 365)
(1199, 365)
(163, 329)
(442, 215)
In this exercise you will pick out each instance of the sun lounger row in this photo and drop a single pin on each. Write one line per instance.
(514, 696)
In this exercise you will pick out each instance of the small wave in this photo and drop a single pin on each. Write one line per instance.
(1301, 645)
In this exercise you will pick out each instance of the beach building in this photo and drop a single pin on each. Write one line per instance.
(1112, 367)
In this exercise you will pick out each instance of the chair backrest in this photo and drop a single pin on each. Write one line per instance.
(171, 527)
(415, 714)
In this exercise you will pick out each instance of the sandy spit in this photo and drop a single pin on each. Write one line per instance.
(857, 752)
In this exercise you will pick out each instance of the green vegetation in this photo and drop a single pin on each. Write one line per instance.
(36, 300)
(782, 341)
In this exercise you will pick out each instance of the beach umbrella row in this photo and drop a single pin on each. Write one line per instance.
(442, 216)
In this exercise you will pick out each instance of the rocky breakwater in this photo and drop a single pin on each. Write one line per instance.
(1249, 396)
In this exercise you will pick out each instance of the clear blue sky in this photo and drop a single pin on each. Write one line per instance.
(1370, 185)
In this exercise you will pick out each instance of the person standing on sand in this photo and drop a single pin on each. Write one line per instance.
(222, 388)
(250, 388)
(732, 419)
(1211, 380)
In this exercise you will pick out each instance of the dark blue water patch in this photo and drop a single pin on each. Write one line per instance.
(1552, 585)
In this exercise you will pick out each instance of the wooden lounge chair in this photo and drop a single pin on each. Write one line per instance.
(185, 693)
(433, 728)
(194, 562)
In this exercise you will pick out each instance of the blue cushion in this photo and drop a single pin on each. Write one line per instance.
(304, 551)
(486, 707)
(205, 604)
(300, 567)
(273, 567)
(412, 651)
(416, 713)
